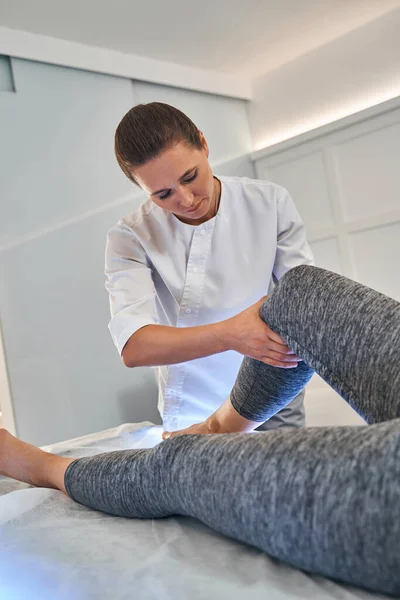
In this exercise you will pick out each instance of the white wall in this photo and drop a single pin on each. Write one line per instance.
(60, 191)
(346, 184)
(347, 75)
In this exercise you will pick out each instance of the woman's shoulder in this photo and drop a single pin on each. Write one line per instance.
(252, 188)
(139, 217)
(136, 222)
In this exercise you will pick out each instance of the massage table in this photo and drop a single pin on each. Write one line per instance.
(53, 548)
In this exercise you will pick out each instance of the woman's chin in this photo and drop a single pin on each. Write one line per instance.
(197, 215)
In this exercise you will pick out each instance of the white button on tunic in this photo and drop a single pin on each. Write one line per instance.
(162, 271)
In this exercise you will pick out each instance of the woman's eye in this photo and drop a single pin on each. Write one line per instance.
(192, 178)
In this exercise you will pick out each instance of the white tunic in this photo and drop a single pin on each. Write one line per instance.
(162, 271)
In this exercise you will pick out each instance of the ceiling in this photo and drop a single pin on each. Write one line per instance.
(245, 38)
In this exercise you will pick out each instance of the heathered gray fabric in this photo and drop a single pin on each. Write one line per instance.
(326, 500)
(291, 415)
(348, 333)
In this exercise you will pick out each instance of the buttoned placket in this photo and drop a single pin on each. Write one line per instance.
(188, 312)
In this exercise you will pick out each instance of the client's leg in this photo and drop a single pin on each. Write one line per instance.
(345, 331)
(325, 500)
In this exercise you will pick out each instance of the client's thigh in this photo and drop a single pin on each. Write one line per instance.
(324, 499)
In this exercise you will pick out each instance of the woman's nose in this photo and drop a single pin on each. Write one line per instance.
(186, 198)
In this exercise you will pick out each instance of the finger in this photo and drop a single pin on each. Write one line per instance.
(276, 359)
(281, 357)
(292, 356)
(273, 347)
(289, 357)
(170, 434)
(278, 364)
(275, 337)
(278, 346)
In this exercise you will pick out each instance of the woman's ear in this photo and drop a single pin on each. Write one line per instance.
(204, 143)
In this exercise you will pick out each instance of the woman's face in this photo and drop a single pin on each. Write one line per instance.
(181, 182)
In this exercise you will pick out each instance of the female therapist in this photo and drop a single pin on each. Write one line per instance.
(187, 272)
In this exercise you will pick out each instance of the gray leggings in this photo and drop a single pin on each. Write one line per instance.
(326, 500)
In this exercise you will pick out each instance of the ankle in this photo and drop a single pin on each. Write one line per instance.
(213, 424)
(5, 438)
(3, 434)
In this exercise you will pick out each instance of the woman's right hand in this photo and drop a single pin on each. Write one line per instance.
(249, 335)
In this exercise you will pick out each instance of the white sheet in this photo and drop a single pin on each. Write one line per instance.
(53, 548)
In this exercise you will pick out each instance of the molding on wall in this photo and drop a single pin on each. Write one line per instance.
(308, 136)
(386, 218)
(31, 46)
(8, 420)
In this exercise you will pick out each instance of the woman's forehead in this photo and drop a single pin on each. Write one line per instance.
(168, 168)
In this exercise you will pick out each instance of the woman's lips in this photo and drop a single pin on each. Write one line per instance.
(192, 210)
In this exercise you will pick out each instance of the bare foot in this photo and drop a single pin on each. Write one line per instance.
(12, 463)
(29, 464)
(224, 420)
(206, 427)
(5, 441)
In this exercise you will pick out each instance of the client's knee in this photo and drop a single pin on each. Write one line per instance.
(287, 294)
(298, 278)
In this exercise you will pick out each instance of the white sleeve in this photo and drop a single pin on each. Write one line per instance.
(292, 248)
(129, 284)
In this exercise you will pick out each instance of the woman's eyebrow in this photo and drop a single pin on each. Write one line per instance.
(180, 179)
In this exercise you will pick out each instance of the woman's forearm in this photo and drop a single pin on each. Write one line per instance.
(246, 333)
(155, 345)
